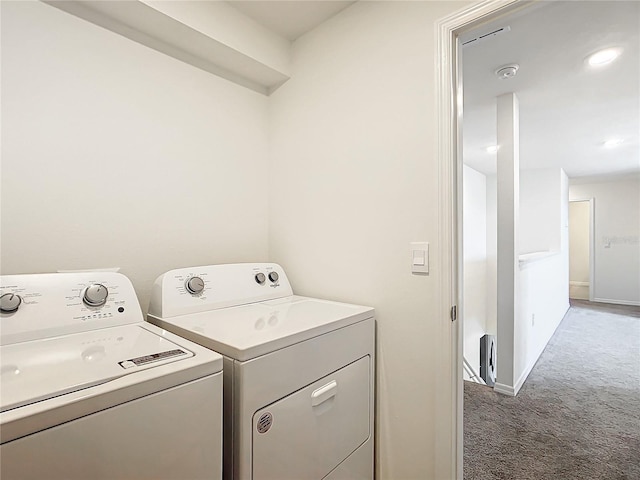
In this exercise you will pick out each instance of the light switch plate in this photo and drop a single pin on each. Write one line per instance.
(419, 257)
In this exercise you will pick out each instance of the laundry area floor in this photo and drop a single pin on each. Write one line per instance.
(577, 415)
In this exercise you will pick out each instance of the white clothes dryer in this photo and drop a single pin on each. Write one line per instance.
(298, 372)
(91, 391)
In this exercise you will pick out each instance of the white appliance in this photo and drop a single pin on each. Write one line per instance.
(298, 372)
(91, 391)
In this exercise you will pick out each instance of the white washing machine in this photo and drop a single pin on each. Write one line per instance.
(298, 372)
(91, 391)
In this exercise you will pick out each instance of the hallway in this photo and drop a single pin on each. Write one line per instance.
(577, 415)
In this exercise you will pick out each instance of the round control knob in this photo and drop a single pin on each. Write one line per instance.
(273, 276)
(95, 295)
(260, 278)
(195, 285)
(9, 302)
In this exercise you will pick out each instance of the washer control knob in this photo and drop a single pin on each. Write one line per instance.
(273, 276)
(10, 302)
(95, 295)
(260, 278)
(195, 285)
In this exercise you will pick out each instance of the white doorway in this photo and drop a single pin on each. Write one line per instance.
(449, 84)
(581, 249)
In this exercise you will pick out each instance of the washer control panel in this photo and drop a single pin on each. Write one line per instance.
(199, 289)
(37, 306)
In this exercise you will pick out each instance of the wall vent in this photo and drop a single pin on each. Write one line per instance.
(478, 38)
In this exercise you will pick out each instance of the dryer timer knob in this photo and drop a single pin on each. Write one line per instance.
(10, 302)
(95, 295)
(195, 285)
(273, 276)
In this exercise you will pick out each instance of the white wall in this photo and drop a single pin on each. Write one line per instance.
(617, 237)
(542, 303)
(543, 283)
(116, 155)
(508, 219)
(492, 254)
(579, 243)
(354, 180)
(474, 252)
(539, 211)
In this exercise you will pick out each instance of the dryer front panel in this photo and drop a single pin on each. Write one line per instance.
(310, 432)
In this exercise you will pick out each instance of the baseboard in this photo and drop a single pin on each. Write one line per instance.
(618, 302)
(579, 290)
(527, 370)
(513, 391)
(504, 389)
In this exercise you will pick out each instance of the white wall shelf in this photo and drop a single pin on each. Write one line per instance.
(159, 25)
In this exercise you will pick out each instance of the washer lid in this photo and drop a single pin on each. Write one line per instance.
(248, 331)
(42, 369)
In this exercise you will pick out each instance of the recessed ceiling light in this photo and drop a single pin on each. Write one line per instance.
(604, 57)
(614, 142)
(493, 148)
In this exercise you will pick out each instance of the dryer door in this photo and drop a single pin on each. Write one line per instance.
(308, 433)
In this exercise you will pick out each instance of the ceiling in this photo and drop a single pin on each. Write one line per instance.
(567, 109)
(290, 19)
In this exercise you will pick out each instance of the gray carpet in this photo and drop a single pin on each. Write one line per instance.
(577, 415)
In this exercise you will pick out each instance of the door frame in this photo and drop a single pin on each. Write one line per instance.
(449, 396)
(592, 238)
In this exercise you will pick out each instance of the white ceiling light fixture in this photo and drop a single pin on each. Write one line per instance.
(493, 149)
(612, 143)
(507, 71)
(603, 57)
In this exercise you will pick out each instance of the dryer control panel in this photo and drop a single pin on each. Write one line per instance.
(34, 306)
(199, 289)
